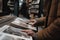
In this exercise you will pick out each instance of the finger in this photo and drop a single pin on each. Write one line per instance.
(26, 31)
(30, 34)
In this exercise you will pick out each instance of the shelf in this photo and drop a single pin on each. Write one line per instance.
(33, 4)
(34, 11)
(10, 5)
(36, 2)
(33, 8)
(10, 2)
(12, 9)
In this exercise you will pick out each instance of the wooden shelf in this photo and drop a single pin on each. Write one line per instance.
(34, 7)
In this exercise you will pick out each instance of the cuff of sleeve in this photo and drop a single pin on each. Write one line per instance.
(35, 37)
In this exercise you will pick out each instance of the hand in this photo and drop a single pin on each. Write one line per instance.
(29, 32)
(32, 21)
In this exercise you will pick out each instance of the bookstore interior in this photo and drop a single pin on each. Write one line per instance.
(22, 19)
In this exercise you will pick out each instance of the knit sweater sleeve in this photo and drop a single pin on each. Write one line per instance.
(51, 32)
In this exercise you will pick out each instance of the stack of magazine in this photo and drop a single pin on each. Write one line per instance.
(6, 18)
(18, 22)
(11, 33)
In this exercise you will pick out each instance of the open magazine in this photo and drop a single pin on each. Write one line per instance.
(18, 22)
(22, 19)
(5, 36)
(10, 33)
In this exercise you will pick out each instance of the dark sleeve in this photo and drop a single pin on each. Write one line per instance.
(51, 32)
(35, 37)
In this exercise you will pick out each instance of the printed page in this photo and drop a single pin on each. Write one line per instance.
(14, 31)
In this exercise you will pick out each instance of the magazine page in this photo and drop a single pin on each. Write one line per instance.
(18, 23)
(22, 19)
(14, 31)
(5, 36)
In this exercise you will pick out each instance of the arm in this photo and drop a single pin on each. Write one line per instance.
(38, 21)
(52, 30)
(41, 19)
